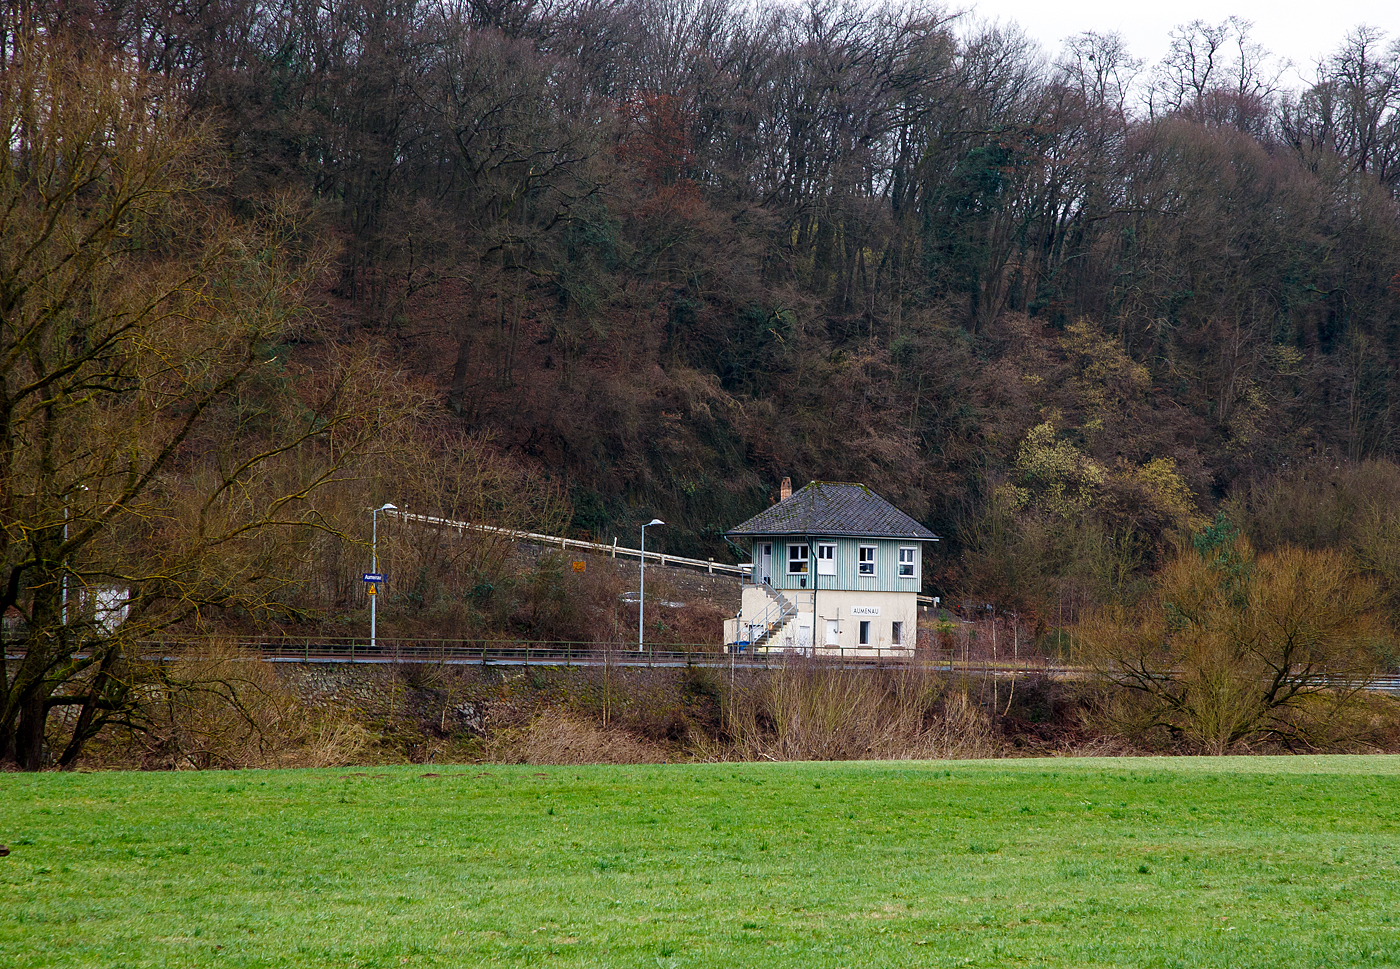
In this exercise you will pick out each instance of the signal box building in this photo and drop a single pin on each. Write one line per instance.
(836, 569)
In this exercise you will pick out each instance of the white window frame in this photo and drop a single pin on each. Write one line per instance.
(866, 566)
(826, 558)
(897, 633)
(803, 559)
(912, 564)
(863, 637)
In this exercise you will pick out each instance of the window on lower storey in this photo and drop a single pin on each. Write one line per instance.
(865, 632)
(897, 633)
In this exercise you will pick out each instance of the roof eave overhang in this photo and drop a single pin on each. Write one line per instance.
(825, 533)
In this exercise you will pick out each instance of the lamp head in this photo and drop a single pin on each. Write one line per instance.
(387, 507)
(654, 521)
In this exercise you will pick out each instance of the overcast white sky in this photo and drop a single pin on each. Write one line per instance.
(1300, 31)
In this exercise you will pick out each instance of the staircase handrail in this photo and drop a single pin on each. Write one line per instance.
(772, 620)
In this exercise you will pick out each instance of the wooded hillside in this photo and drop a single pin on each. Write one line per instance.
(1058, 305)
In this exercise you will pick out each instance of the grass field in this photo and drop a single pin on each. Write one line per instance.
(1144, 862)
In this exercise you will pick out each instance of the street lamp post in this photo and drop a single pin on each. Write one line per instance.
(642, 591)
(374, 568)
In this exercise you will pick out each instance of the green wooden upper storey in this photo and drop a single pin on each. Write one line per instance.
(835, 535)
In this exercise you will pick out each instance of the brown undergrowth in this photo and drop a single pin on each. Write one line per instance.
(230, 711)
(810, 710)
(224, 708)
(557, 736)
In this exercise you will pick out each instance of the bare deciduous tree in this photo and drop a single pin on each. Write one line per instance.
(157, 458)
(1235, 647)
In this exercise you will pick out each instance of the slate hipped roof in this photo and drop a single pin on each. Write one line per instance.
(834, 508)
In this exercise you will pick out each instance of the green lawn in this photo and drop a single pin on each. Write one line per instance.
(1237, 862)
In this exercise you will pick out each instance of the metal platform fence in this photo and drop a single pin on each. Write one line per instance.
(494, 652)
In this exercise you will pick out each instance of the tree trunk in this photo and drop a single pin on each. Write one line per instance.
(456, 395)
(29, 733)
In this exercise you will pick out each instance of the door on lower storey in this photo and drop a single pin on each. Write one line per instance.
(804, 636)
(832, 630)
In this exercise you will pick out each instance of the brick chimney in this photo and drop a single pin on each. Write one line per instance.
(785, 490)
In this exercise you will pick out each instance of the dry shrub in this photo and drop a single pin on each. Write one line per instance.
(661, 706)
(1346, 721)
(1116, 723)
(1379, 726)
(223, 707)
(555, 737)
(814, 711)
(331, 742)
(699, 627)
(958, 730)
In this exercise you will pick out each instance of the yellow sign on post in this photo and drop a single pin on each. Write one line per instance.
(371, 589)
(580, 566)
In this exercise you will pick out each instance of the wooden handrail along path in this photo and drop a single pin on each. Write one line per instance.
(559, 541)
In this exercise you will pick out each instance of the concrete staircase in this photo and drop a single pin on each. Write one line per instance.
(775, 620)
